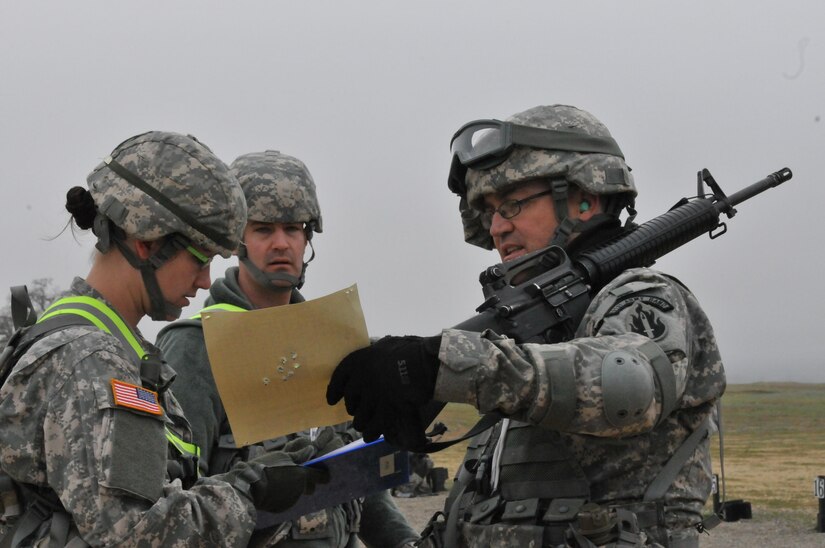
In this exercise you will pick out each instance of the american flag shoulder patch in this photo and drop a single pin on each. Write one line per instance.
(135, 397)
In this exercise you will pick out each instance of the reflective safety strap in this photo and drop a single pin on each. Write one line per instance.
(189, 451)
(219, 306)
(185, 448)
(100, 315)
(107, 320)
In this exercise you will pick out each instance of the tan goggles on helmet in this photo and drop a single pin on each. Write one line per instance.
(483, 144)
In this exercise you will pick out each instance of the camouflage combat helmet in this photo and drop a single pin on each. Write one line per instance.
(278, 189)
(161, 185)
(578, 151)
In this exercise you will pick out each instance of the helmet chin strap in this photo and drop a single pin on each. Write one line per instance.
(270, 280)
(567, 226)
(159, 308)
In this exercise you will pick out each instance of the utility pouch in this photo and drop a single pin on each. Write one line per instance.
(601, 525)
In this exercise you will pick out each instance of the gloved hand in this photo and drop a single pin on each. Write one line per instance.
(326, 441)
(273, 481)
(384, 385)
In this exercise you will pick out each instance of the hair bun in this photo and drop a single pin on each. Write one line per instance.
(81, 205)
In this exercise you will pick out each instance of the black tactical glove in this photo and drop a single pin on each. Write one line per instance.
(273, 481)
(385, 384)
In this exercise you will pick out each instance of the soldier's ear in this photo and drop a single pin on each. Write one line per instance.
(145, 249)
(589, 205)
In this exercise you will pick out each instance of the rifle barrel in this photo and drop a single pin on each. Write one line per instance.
(772, 180)
(663, 234)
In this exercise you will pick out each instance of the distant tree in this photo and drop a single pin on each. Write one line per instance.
(42, 293)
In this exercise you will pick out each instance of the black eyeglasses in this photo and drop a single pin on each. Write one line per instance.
(509, 209)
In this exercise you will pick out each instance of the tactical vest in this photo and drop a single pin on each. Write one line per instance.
(539, 496)
(43, 504)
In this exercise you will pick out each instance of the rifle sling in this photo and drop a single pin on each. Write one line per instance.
(486, 422)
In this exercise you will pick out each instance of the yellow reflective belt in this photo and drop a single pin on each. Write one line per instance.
(219, 306)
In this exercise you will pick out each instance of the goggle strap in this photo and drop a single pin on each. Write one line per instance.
(572, 141)
(455, 180)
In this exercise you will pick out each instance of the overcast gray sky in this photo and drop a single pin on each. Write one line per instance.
(369, 93)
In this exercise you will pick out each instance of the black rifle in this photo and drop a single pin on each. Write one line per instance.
(542, 296)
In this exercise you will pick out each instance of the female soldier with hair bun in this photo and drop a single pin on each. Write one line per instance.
(90, 433)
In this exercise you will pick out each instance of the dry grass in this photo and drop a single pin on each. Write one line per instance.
(774, 436)
(774, 446)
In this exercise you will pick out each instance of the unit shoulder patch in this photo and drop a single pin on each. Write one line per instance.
(645, 320)
(651, 300)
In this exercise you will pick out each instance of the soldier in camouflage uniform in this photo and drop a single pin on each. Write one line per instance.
(283, 215)
(605, 435)
(96, 443)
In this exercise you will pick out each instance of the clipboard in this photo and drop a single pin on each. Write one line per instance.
(355, 470)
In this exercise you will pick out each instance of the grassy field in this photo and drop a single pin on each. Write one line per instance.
(774, 436)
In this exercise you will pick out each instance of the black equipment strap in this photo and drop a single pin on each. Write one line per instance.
(22, 311)
(487, 421)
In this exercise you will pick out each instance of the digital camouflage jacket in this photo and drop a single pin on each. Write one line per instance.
(62, 432)
(559, 397)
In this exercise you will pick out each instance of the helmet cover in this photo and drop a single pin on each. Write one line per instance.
(595, 173)
(193, 192)
(278, 189)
